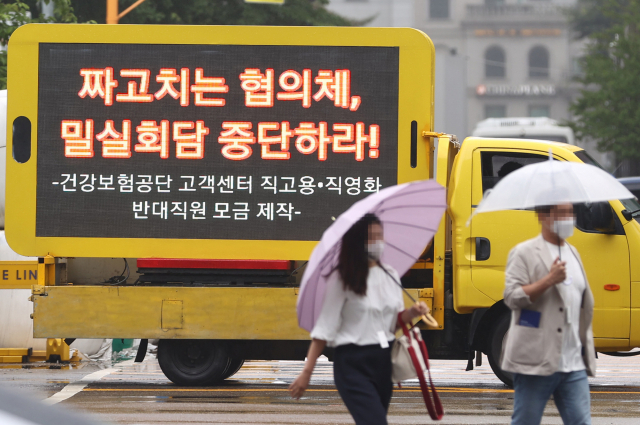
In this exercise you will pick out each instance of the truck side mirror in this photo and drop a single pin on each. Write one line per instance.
(602, 217)
(596, 217)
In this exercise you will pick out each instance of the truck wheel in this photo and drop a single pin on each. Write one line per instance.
(234, 366)
(193, 362)
(496, 340)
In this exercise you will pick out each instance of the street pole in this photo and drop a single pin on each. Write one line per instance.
(112, 10)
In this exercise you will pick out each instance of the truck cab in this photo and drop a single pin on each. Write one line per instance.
(605, 239)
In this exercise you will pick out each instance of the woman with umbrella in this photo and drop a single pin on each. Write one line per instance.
(359, 318)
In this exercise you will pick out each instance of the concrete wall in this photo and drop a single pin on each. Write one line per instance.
(450, 93)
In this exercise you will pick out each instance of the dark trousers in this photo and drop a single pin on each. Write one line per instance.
(363, 377)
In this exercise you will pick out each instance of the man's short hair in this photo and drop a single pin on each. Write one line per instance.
(543, 209)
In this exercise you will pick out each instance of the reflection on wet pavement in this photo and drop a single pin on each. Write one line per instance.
(141, 394)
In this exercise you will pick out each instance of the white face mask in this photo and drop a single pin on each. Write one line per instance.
(374, 250)
(564, 228)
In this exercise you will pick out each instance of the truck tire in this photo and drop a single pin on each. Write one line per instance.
(496, 340)
(193, 362)
(234, 366)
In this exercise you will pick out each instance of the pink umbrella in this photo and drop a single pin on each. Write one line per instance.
(410, 214)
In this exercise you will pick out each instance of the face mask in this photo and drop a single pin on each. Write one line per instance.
(564, 228)
(375, 250)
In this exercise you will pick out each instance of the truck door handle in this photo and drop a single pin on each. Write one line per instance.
(483, 249)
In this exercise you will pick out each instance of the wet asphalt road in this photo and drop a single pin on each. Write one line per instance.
(127, 393)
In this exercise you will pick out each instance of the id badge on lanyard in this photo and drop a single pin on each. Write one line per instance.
(382, 338)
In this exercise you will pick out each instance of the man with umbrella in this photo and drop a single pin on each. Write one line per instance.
(549, 347)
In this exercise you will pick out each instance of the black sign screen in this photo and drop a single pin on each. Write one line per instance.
(211, 141)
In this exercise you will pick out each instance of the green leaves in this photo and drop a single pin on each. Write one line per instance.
(17, 13)
(14, 14)
(216, 12)
(3, 70)
(592, 16)
(608, 109)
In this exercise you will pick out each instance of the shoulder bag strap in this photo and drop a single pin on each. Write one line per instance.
(423, 386)
(436, 412)
(436, 397)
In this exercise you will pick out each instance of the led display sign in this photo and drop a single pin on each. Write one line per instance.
(220, 142)
(210, 140)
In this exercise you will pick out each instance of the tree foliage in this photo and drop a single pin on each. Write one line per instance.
(215, 12)
(607, 109)
(16, 13)
(589, 17)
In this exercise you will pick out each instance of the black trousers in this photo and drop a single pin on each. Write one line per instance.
(363, 377)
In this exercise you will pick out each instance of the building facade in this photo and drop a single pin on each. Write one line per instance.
(494, 58)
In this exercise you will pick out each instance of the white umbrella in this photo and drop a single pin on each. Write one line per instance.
(552, 183)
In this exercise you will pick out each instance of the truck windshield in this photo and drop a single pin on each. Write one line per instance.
(629, 204)
(632, 205)
(560, 139)
(587, 159)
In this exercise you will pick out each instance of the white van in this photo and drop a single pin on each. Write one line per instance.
(525, 128)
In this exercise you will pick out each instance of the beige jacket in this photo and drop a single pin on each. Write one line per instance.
(536, 351)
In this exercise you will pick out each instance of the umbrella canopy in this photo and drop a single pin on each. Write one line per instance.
(552, 183)
(410, 214)
(20, 409)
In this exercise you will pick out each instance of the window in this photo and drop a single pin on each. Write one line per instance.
(496, 165)
(547, 137)
(587, 159)
(632, 205)
(539, 62)
(597, 217)
(495, 111)
(494, 62)
(539, 111)
(576, 67)
(439, 9)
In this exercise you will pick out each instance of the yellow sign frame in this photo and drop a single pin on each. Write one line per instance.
(18, 274)
(415, 103)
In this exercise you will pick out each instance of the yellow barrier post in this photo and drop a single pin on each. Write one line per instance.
(57, 349)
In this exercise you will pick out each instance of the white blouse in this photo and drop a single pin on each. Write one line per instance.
(349, 318)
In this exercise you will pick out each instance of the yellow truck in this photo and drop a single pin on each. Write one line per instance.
(248, 144)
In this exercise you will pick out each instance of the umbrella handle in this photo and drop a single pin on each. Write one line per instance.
(429, 320)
